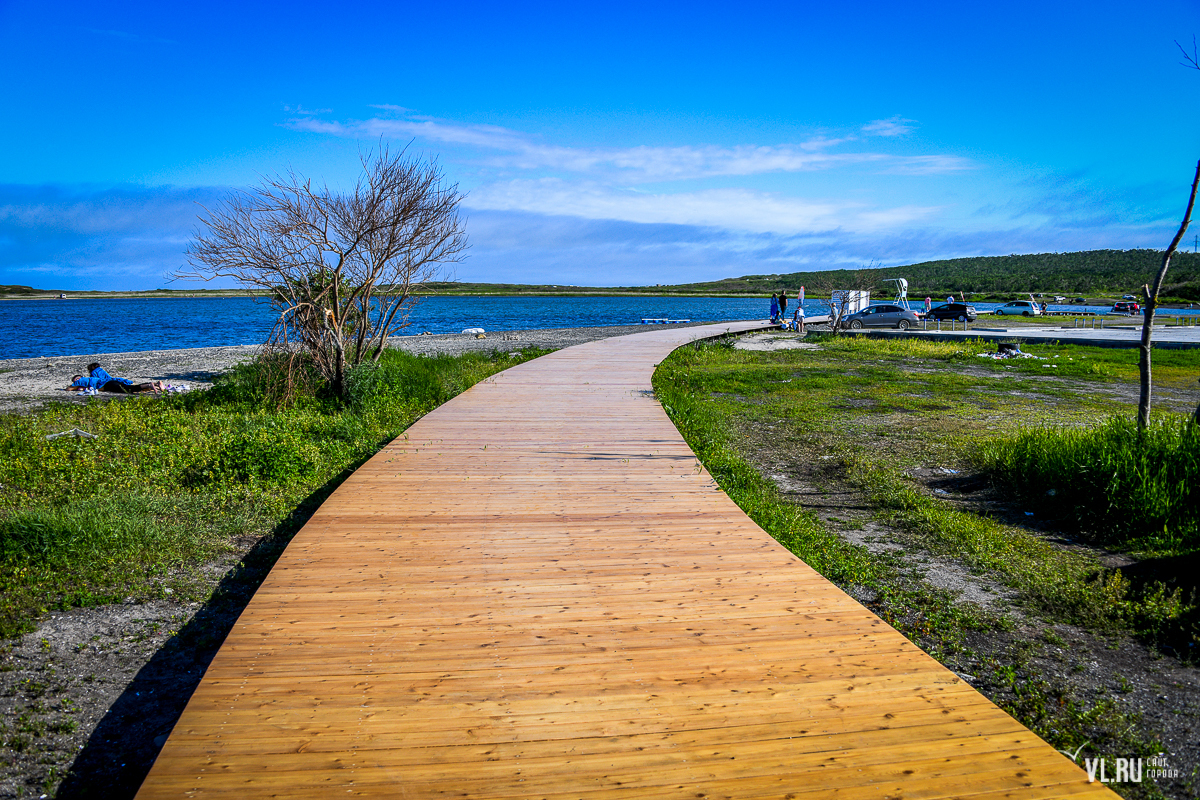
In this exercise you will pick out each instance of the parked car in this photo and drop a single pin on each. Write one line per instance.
(1121, 307)
(959, 311)
(1129, 297)
(1080, 300)
(1022, 307)
(882, 316)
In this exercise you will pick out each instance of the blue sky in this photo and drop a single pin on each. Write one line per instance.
(605, 144)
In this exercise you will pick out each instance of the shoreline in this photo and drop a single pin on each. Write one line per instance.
(233, 293)
(30, 383)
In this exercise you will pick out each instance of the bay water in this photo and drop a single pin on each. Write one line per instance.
(51, 327)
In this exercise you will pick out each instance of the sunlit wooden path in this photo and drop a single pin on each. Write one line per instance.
(538, 593)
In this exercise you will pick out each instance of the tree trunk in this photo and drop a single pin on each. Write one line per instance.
(1152, 303)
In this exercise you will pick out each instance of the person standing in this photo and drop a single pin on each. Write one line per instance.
(774, 308)
(783, 304)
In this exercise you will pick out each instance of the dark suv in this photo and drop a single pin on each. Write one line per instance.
(959, 311)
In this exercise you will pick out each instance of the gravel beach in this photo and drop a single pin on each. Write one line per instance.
(31, 382)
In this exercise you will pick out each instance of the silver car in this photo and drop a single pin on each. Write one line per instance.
(1022, 307)
(882, 316)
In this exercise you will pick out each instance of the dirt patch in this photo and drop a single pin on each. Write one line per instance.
(773, 341)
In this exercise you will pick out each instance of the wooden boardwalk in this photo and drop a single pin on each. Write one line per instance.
(539, 593)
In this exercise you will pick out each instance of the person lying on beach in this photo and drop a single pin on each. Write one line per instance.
(102, 381)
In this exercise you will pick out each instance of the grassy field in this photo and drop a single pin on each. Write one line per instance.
(914, 434)
(169, 484)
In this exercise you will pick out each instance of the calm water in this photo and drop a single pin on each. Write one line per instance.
(32, 328)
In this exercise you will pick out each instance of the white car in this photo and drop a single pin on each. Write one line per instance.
(1023, 307)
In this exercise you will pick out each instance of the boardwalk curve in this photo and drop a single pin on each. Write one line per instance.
(539, 593)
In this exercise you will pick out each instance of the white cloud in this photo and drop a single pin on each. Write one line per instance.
(641, 164)
(730, 209)
(306, 112)
(892, 126)
(486, 136)
(928, 165)
(599, 183)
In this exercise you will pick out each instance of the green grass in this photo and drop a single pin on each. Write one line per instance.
(1059, 583)
(172, 483)
(1124, 488)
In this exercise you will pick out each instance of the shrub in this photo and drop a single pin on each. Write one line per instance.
(1112, 483)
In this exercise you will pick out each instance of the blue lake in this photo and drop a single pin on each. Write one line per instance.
(33, 328)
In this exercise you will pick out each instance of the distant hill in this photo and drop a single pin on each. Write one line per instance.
(24, 290)
(1093, 272)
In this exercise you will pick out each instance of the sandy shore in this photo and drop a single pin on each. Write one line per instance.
(29, 383)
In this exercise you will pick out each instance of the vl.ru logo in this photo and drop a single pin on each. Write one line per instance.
(1125, 772)
(1128, 770)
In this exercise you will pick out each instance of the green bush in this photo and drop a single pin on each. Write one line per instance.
(1111, 483)
(267, 454)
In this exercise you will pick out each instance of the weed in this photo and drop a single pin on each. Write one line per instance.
(18, 742)
(1053, 638)
(62, 726)
(1137, 490)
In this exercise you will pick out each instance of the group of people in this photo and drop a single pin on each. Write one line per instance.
(779, 304)
(99, 380)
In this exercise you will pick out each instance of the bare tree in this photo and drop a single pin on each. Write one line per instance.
(340, 268)
(1151, 293)
(1191, 61)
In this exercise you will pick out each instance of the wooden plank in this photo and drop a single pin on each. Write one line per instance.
(537, 591)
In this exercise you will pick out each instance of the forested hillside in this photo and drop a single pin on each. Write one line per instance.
(1090, 273)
